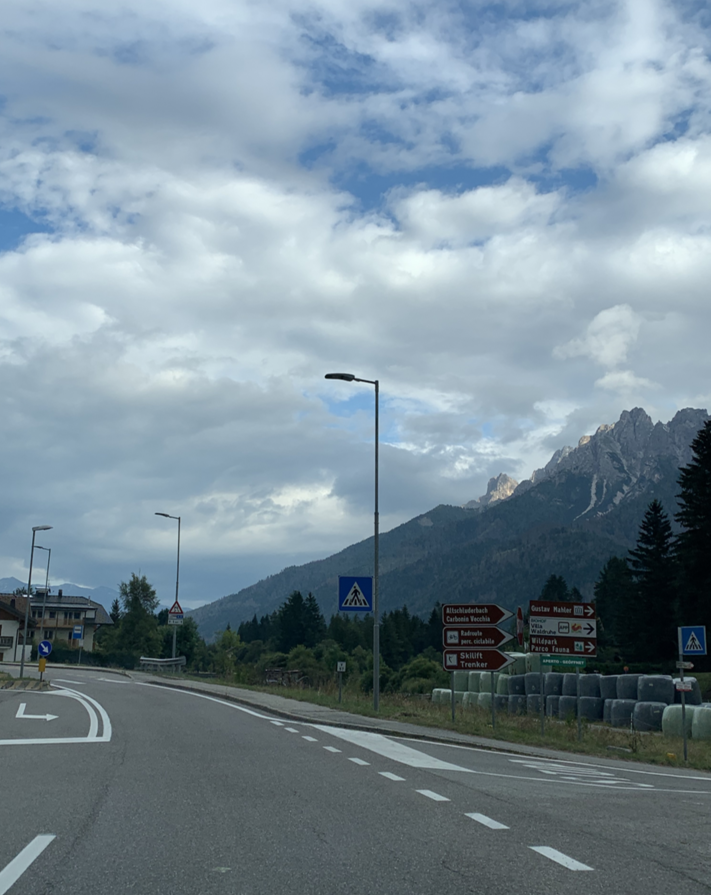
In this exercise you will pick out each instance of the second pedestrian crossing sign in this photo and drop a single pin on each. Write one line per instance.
(355, 593)
(692, 640)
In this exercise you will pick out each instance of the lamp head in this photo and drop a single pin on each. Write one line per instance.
(346, 377)
(163, 514)
(41, 527)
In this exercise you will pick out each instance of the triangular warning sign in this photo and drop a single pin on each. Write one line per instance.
(175, 609)
(693, 644)
(355, 599)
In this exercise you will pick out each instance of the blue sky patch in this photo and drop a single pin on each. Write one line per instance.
(15, 226)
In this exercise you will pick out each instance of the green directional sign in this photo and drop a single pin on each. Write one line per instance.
(563, 660)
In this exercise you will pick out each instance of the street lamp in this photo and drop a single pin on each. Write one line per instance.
(349, 377)
(35, 529)
(46, 589)
(177, 574)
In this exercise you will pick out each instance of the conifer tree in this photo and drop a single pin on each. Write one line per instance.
(694, 542)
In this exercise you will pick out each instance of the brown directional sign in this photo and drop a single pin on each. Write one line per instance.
(563, 646)
(562, 610)
(475, 660)
(485, 636)
(470, 615)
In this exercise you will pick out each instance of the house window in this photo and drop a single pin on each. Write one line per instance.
(77, 615)
(49, 635)
(52, 614)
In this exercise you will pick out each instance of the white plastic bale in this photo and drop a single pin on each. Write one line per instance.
(445, 696)
(502, 684)
(648, 715)
(459, 695)
(590, 685)
(436, 693)
(671, 720)
(567, 707)
(461, 680)
(552, 706)
(533, 683)
(608, 686)
(485, 701)
(621, 712)
(592, 707)
(553, 683)
(517, 685)
(533, 662)
(485, 683)
(519, 663)
(655, 688)
(470, 700)
(693, 696)
(517, 704)
(627, 686)
(701, 724)
(570, 685)
(474, 681)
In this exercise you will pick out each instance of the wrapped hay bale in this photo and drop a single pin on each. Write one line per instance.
(671, 720)
(621, 712)
(533, 703)
(501, 702)
(474, 681)
(503, 684)
(552, 706)
(648, 715)
(590, 685)
(553, 684)
(485, 701)
(627, 686)
(461, 680)
(517, 704)
(607, 711)
(533, 683)
(567, 707)
(517, 685)
(519, 663)
(701, 724)
(485, 682)
(608, 686)
(570, 685)
(459, 696)
(655, 688)
(440, 696)
(592, 707)
(471, 700)
(693, 696)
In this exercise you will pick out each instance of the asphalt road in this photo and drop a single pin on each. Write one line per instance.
(143, 789)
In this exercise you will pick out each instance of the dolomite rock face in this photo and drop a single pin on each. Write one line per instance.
(621, 460)
(499, 488)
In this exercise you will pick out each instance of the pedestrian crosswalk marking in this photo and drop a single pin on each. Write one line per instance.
(355, 598)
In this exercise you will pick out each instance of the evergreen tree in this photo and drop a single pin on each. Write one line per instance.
(693, 544)
(653, 570)
(115, 613)
(615, 605)
(314, 622)
(291, 623)
(555, 590)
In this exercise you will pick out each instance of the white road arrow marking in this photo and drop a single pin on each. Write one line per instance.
(21, 714)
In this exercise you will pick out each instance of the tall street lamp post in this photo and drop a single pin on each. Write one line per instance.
(46, 589)
(35, 529)
(349, 377)
(177, 574)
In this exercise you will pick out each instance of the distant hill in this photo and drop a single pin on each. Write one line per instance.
(568, 519)
(103, 595)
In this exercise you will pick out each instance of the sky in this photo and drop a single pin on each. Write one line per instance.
(498, 210)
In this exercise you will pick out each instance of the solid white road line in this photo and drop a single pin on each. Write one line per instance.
(359, 761)
(487, 821)
(310, 739)
(559, 857)
(391, 776)
(435, 796)
(14, 870)
(331, 749)
(60, 680)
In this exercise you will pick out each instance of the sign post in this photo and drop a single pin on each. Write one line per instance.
(44, 648)
(340, 668)
(175, 617)
(692, 642)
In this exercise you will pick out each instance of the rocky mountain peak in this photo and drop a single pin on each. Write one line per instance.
(499, 488)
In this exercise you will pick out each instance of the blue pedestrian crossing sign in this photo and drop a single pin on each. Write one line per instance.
(355, 593)
(44, 648)
(692, 640)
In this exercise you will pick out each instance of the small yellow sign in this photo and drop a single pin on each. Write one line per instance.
(42, 665)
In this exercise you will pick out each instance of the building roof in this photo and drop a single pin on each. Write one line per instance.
(15, 606)
(57, 601)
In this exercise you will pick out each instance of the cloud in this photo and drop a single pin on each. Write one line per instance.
(483, 209)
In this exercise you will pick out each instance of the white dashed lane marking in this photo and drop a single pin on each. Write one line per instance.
(359, 761)
(487, 821)
(310, 739)
(331, 749)
(559, 857)
(391, 776)
(278, 723)
(435, 796)
(291, 729)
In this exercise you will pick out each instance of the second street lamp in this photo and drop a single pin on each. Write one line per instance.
(35, 529)
(177, 574)
(350, 377)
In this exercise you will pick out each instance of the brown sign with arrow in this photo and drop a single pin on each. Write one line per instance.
(563, 646)
(487, 637)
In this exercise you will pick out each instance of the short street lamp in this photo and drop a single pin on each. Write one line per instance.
(177, 574)
(35, 529)
(349, 377)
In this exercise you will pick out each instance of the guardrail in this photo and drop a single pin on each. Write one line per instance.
(148, 664)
